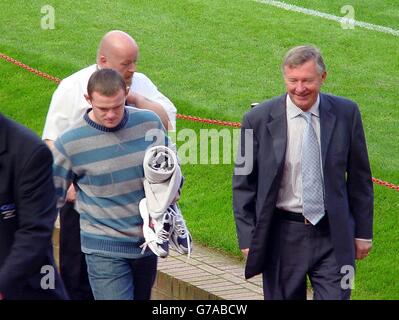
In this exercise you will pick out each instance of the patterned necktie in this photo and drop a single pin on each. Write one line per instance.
(312, 183)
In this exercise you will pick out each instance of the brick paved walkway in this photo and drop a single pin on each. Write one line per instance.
(207, 275)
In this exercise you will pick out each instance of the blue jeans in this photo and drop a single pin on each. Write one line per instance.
(114, 278)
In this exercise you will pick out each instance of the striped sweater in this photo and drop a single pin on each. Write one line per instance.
(106, 165)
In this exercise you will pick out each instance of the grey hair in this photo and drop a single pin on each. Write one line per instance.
(297, 56)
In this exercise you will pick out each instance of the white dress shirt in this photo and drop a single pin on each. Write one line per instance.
(290, 193)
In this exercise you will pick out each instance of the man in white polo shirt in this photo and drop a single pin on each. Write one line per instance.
(119, 51)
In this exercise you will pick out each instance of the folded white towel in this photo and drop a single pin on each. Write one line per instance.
(162, 179)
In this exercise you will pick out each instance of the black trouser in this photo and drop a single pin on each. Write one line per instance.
(303, 250)
(73, 266)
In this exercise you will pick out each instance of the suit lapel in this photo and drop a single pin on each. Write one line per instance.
(327, 123)
(277, 127)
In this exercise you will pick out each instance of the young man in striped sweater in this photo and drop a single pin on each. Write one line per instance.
(103, 155)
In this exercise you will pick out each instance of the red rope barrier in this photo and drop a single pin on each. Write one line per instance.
(179, 116)
(35, 71)
(211, 121)
(386, 184)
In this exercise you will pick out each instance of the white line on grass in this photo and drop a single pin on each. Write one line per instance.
(291, 7)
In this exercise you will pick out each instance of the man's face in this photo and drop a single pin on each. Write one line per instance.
(107, 111)
(124, 61)
(303, 84)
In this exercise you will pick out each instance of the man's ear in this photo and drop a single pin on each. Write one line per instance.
(88, 99)
(323, 77)
(102, 61)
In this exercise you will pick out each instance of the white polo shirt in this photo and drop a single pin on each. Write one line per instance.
(68, 103)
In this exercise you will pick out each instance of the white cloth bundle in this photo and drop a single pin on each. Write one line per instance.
(162, 179)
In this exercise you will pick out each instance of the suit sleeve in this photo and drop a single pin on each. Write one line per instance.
(35, 204)
(245, 185)
(359, 181)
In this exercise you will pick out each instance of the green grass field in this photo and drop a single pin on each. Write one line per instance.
(212, 59)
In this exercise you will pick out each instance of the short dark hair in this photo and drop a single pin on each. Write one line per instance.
(297, 56)
(106, 82)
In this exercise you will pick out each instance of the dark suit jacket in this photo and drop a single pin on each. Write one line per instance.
(347, 179)
(27, 215)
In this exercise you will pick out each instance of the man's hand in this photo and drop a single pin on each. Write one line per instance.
(143, 103)
(245, 252)
(363, 248)
(71, 194)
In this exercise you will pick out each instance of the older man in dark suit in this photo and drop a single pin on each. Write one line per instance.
(306, 207)
(27, 216)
